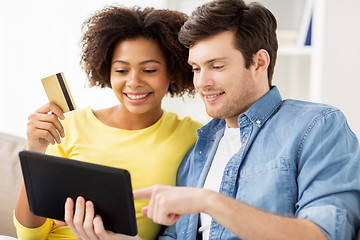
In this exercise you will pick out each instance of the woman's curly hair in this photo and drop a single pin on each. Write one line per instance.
(106, 28)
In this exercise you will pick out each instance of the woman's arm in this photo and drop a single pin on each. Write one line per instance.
(23, 214)
(43, 128)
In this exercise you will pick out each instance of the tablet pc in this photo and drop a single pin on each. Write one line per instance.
(49, 180)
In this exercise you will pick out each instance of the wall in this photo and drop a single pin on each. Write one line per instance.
(40, 38)
(341, 78)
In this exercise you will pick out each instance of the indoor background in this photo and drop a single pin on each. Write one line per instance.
(40, 38)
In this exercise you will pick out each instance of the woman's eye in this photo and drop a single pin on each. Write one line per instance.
(149, 70)
(121, 71)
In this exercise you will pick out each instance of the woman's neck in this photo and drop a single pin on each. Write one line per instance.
(117, 117)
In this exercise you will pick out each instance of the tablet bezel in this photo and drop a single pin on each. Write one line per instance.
(50, 180)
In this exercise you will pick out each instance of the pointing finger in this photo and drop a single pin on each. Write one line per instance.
(144, 193)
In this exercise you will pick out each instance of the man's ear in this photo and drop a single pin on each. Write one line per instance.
(261, 61)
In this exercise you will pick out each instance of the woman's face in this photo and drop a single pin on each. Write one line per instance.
(138, 76)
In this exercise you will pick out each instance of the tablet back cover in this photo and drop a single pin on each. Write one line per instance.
(49, 180)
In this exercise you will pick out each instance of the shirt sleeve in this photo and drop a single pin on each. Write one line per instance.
(169, 233)
(40, 233)
(328, 176)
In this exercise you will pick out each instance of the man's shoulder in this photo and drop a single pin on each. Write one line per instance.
(296, 117)
(297, 108)
(307, 105)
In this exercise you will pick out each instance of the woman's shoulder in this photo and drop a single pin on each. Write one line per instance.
(78, 115)
(187, 122)
(78, 112)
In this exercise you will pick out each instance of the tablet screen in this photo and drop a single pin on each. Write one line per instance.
(50, 180)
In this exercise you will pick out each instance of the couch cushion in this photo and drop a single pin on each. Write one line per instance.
(10, 180)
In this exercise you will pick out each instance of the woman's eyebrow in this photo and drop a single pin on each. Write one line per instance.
(149, 61)
(141, 63)
(120, 61)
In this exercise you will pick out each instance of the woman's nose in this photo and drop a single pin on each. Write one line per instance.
(134, 79)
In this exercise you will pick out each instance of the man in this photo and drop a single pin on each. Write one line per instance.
(263, 168)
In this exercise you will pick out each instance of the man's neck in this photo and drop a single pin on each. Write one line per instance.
(232, 122)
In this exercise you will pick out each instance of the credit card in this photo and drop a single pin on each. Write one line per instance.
(58, 92)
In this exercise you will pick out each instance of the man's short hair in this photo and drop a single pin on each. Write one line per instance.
(253, 24)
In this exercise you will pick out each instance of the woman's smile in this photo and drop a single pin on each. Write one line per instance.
(137, 98)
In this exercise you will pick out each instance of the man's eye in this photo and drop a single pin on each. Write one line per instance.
(218, 67)
(195, 69)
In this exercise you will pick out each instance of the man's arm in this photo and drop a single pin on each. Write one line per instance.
(167, 204)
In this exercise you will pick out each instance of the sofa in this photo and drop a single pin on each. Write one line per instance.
(10, 180)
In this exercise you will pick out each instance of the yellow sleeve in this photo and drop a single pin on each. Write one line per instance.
(40, 233)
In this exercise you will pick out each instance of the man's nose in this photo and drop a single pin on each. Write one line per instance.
(202, 79)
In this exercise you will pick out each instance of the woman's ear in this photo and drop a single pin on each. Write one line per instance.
(261, 61)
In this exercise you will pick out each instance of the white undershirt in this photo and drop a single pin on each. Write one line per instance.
(229, 144)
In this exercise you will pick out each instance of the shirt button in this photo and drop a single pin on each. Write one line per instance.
(200, 152)
(258, 121)
(340, 219)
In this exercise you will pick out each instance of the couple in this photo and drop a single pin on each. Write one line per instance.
(263, 168)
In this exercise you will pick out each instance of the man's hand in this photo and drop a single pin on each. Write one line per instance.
(85, 224)
(168, 203)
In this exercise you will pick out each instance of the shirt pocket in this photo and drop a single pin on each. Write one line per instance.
(270, 185)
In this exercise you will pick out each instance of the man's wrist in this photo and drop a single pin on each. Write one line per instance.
(208, 199)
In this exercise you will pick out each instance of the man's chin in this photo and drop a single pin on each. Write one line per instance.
(214, 114)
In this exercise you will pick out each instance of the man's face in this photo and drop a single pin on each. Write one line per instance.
(225, 85)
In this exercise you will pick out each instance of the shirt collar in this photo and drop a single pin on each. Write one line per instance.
(263, 108)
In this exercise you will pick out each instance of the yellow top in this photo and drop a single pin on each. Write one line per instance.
(151, 155)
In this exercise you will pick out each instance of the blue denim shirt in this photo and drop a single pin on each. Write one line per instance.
(297, 159)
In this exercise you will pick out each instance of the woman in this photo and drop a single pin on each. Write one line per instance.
(136, 53)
